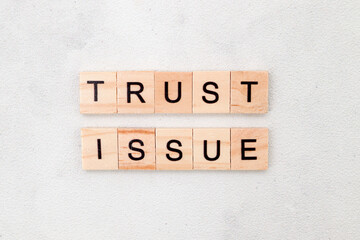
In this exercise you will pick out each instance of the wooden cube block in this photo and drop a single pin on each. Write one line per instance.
(249, 148)
(98, 92)
(99, 149)
(173, 92)
(211, 92)
(136, 148)
(135, 92)
(249, 92)
(211, 148)
(174, 149)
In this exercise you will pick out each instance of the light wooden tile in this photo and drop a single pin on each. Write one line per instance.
(176, 99)
(98, 92)
(211, 148)
(135, 92)
(249, 148)
(142, 154)
(249, 92)
(99, 149)
(168, 143)
(211, 92)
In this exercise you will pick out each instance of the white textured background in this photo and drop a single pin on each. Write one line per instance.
(312, 187)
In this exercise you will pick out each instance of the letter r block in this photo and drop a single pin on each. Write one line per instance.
(174, 149)
(249, 91)
(135, 92)
(136, 148)
(211, 148)
(211, 92)
(98, 92)
(99, 149)
(249, 148)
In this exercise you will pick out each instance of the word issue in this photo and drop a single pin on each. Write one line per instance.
(174, 92)
(175, 148)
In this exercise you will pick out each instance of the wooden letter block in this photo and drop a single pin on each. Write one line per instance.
(173, 92)
(99, 149)
(211, 92)
(211, 148)
(249, 148)
(135, 92)
(136, 148)
(174, 149)
(249, 92)
(98, 92)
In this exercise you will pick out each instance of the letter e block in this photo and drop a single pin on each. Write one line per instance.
(136, 148)
(174, 149)
(98, 92)
(211, 148)
(249, 92)
(135, 92)
(249, 148)
(99, 149)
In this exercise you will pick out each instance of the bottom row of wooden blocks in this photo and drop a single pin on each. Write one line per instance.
(175, 148)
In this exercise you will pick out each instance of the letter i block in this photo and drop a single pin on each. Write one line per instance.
(249, 148)
(174, 149)
(98, 92)
(135, 92)
(211, 92)
(249, 92)
(211, 148)
(136, 148)
(173, 92)
(99, 149)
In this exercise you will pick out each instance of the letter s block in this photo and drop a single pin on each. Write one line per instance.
(136, 148)
(98, 92)
(174, 149)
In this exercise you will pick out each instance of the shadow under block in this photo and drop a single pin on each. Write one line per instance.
(98, 92)
(249, 91)
(211, 148)
(249, 148)
(173, 92)
(99, 148)
(211, 92)
(174, 149)
(135, 92)
(136, 148)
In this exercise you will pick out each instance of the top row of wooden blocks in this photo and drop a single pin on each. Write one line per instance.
(174, 92)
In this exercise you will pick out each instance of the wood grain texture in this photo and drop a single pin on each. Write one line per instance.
(260, 135)
(147, 137)
(239, 92)
(135, 104)
(214, 81)
(107, 158)
(184, 136)
(106, 92)
(211, 135)
(184, 105)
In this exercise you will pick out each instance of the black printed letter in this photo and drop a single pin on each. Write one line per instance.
(95, 88)
(249, 89)
(142, 154)
(210, 92)
(217, 151)
(174, 150)
(243, 149)
(137, 93)
(167, 93)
